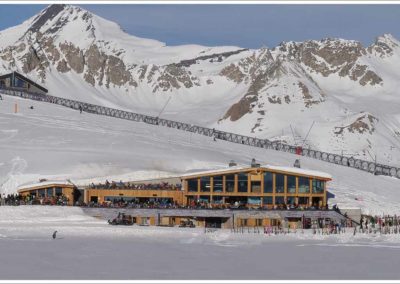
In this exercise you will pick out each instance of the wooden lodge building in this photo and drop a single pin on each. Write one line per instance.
(251, 196)
(50, 191)
(267, 186)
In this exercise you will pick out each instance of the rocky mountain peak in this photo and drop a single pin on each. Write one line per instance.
(54, 18)
(45, 16)
(388, 39)
(384, 45)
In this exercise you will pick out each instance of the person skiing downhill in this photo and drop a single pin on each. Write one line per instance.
(54, 235)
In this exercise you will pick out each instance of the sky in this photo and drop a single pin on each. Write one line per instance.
(249, 26)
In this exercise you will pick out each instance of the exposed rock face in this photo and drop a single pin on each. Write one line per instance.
(175, 77)
(331, 56)
(364, 123)
(62, 66)
(384, 46)
(116, 73)
(49, 14)
(309, 100)
(51, 50)
(73, 56)
(96, 62)
(240, 108)
(219, 57)
(232, 72)
(31, 61)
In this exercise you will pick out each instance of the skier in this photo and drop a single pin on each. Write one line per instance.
(54, 234)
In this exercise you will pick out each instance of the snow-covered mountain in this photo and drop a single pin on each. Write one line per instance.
(347, 92)
(56, 143)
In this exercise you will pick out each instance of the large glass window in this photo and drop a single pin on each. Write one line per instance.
(280, 183)
(304, 185)
(58, 191)
(41, 192)
(49, 192)
(268, 200)
(19, 83)
(242, 182)
(205, 184)
(205, 199)
(218, 186)
(291, 200)
(254, 200)
(291, 184)
(255, 186)
(230, 183)
(217, 199)
(279, 200)
(192, 185)
(268, 182)
(304, 200)
(318, 186)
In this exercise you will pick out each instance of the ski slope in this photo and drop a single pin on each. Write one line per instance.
(54, 142)
(88, 248)
(78, 55)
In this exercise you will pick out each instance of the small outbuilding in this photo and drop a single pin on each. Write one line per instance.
(18, 81)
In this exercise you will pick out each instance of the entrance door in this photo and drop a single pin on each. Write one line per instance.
(317, 202)
(213, 222)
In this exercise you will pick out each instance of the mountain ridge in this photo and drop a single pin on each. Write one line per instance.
(348, 90)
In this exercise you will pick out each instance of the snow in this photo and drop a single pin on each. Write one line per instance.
(340, 98)
(44, 183)
(56, 143)
(88, 248)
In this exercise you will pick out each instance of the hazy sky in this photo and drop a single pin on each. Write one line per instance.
(249, 26)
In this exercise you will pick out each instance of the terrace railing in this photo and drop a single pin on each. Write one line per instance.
(363, 165)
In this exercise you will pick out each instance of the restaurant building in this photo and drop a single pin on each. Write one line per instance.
(270, 187)
(231, 197)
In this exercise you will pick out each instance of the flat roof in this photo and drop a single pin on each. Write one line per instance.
(31, 186)
(288, 170)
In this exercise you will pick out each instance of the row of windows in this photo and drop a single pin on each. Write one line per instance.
(48, 192)
(303, 184)
(267, 200)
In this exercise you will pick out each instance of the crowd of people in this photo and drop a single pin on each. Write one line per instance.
(386, 224)
(151, 204)
(131, 185)
(17, 199)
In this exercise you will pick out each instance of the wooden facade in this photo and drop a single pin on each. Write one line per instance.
(49, 190)
(256, 187)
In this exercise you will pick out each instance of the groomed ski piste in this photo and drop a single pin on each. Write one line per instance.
(54, 142)
(88, 248)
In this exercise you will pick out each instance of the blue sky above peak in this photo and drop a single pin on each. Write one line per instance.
(250, 26)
